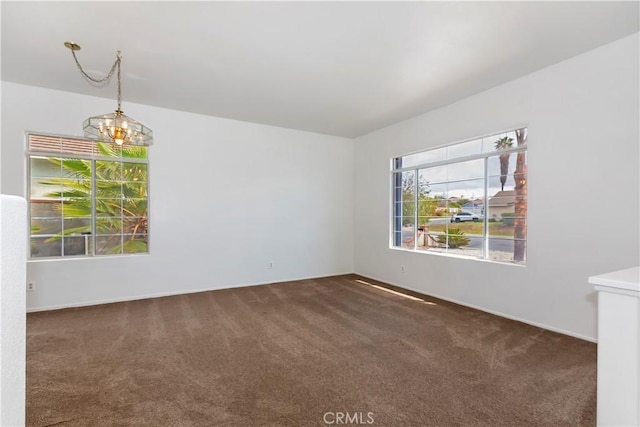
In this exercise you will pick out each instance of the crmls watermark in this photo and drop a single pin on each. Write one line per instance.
(344, 418)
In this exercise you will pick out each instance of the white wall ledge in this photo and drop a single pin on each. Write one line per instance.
(13, 320)
(618, 347)
(627, 280)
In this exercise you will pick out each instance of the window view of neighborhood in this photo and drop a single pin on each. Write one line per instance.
(86, 198)
(466, 199)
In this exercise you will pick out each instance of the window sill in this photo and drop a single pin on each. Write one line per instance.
(80, 257)
(457, 256)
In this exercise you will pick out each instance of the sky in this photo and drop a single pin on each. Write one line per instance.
(463, 179)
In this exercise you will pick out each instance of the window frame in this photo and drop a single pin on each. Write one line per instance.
(396, 179)
(93, 158)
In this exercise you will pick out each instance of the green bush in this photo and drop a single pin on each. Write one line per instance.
(456, 238)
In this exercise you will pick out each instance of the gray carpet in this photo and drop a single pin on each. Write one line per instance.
(305, 353)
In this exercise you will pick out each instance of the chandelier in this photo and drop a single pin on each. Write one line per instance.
(113, 127)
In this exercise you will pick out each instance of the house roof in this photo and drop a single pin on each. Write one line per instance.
(473, 204)
(503, 198)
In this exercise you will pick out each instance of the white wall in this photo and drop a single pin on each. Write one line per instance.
(227, 198)
(583, 119)
(13, 230)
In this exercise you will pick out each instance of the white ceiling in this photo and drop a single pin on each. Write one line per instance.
(339, 68)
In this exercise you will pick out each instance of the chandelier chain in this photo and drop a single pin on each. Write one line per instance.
(119, 89)
(93, 79)
(107, 78)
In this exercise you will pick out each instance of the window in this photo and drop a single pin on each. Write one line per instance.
(468, 199)
(86, 198)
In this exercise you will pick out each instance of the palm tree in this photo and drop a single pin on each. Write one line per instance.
(520, 178)
(120, 199)
(520, 205)
(501, 144)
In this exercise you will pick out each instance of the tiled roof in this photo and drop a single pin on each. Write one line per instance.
(56, 144)
(503, 198)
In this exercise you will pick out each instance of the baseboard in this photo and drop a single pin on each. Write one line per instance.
(486, 310)
(168, 294)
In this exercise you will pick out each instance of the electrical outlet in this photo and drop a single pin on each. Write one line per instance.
(31, 286)
(402, 268)
(271, 265)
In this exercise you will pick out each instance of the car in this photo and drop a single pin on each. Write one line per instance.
(464, 216)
